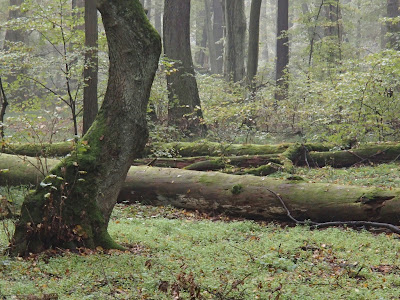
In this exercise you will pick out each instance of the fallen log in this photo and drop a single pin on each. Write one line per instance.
(42, 150)
(171, 150)
(367, 154)
(209, 163)
(243, 196)
(220, 156)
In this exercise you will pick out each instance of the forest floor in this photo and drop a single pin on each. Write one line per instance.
(178, 254)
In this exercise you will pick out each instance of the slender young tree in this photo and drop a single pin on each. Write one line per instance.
(235, 40)
(3, 107)
(282, 49)
(254, 40)
(72, 206)
(184, 109)
(90, 73)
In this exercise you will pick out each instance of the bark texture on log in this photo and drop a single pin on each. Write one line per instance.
(249, 196)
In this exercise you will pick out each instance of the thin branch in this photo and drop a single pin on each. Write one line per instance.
(4, 104)
(47, 88)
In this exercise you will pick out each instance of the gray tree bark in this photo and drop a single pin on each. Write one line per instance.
(184, 109)
(235, 40)
(72, 206)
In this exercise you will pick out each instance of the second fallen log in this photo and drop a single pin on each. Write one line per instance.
(251, 197)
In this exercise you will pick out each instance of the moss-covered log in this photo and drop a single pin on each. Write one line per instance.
(165, 150)
(42, 150)
(72, 205)
(250, 196)
(209, 163)
(22, 170)
(367, 154)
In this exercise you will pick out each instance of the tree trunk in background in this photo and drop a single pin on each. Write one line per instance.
(72, 207)
(184, 109)
(149, 9)
(218, 30)
(254, 38)
(282, 50)
(14, 35)
(235, 40)
(158, 16)
(201, 39)
(393, 35)
(90, 73)
(265, 33)
(210, 37)
(333, 31)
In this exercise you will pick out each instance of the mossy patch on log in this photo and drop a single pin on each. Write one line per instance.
(237, 189)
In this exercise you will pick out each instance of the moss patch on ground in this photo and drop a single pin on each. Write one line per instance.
(174, 249)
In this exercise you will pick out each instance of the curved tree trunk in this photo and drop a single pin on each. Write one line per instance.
(72, 206)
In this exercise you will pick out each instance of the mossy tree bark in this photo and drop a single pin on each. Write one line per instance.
(72, 206)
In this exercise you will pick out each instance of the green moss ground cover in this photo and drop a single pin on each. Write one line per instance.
(174, 253)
